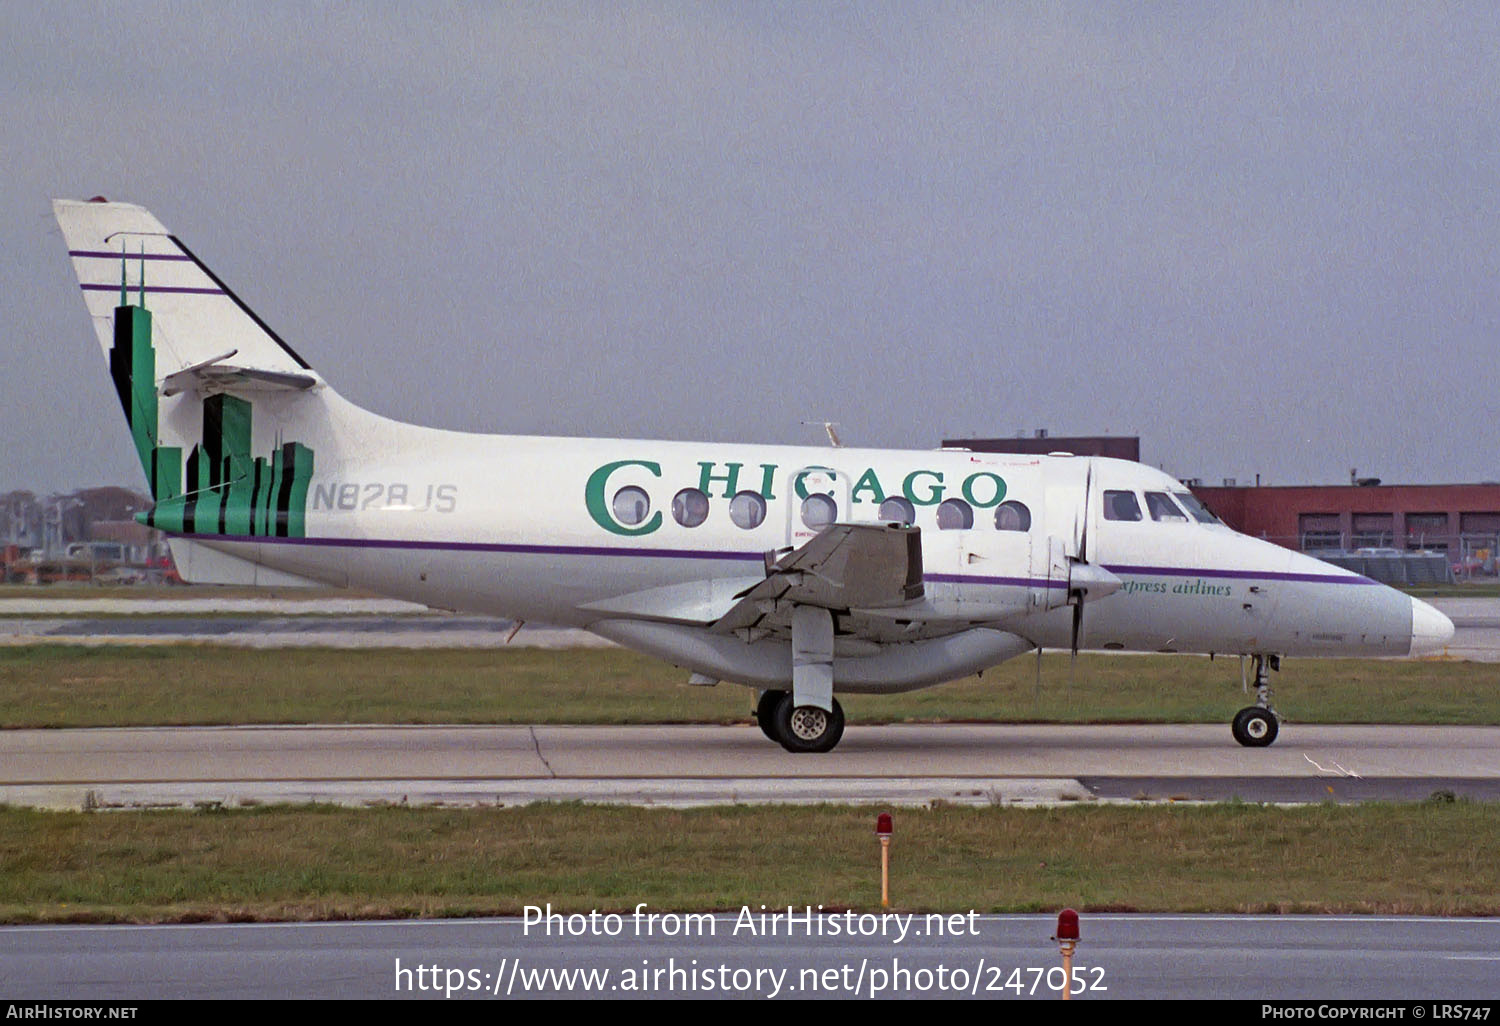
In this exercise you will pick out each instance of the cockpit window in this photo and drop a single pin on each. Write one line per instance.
(1197, 509)
(1121, 506)
(1163, 508)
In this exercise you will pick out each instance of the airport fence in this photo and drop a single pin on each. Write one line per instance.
(1415, 560)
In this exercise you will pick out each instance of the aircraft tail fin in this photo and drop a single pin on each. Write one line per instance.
(205, 384)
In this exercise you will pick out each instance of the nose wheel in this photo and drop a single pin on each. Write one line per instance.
(1256, 726)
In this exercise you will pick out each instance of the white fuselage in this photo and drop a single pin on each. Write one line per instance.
(525, 527)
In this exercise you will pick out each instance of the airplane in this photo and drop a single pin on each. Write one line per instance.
(802, 572)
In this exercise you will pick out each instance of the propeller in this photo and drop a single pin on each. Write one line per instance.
(1077, 595)
(1085, 580)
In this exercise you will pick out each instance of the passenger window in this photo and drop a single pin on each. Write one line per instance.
(690, 507)
(1121, 506)
(897, 510)
(1012, 516)
(819, 510)
(1197, 509)
(1163, 508)
(747, 510)
(955, 515)
(631, 505)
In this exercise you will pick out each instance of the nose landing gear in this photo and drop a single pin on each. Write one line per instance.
(1256, 726)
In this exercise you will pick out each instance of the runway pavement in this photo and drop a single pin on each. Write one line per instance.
(696, 765)
(1260, 958)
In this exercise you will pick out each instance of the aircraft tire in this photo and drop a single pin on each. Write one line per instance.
(807, 728)
(1255, 727)
(765, 713)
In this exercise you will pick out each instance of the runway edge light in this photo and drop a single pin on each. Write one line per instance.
(1067, 941)
(883, 829)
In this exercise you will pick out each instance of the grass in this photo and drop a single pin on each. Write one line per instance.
(1470, 589)
(323, 862)
(69, 686)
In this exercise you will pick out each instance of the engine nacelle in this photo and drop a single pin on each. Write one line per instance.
(891, 668)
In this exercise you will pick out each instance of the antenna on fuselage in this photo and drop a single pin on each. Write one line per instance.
(828, 426)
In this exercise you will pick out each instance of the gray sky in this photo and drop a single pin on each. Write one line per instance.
(1264, 237)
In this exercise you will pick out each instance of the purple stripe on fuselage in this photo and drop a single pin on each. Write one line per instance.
(755, 557)
(104, 254)
(541, 550)
(580, 550)
(1250, 575)
(153, 290)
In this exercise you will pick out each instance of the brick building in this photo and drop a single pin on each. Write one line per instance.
(1460, 521)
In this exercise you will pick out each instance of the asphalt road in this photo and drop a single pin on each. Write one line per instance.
(999, 957)
(686, 765)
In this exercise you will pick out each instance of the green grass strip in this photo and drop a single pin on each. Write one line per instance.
(318, 863)
(69, 686)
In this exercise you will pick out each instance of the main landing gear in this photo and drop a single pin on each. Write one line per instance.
(1256, 726)
(798, 728)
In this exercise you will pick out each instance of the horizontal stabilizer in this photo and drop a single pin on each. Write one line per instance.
(224, 377)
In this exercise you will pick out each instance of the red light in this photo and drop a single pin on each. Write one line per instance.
(1067, 925)
(98, 199)
(883, 824)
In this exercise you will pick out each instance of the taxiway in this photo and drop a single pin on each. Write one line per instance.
(698, 765)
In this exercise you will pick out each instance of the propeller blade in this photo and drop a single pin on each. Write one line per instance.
(1077, 629)
(1089, 575)
(1088, 495)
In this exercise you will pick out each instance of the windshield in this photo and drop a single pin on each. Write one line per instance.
(1197, 509)
(1162, 508)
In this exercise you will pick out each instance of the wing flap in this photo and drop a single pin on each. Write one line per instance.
(847, 566)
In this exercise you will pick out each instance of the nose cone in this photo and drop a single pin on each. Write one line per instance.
(1430, 630)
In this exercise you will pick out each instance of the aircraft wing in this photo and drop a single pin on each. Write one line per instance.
(847, 566)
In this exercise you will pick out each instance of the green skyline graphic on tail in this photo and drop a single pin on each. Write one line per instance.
(227, 491)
